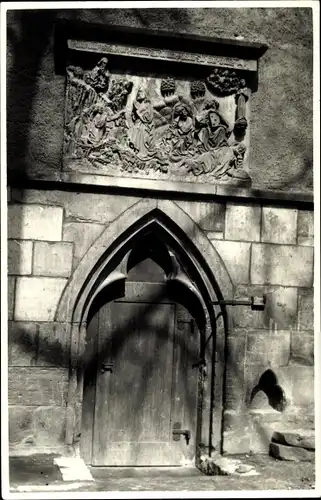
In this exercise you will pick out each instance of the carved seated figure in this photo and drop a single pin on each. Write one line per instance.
(215, 155)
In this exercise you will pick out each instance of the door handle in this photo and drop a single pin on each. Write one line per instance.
(106, 367)
(177, 432)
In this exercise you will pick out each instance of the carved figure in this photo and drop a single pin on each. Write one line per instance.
(140, 133)
(118, 93)
(176, 133)
(95, 120)
(211, 128)
(214, 154)
(98, 77)
(182, 129)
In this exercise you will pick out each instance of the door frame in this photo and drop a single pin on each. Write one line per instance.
(103, 257)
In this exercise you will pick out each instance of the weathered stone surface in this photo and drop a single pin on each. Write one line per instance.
(53, 345)
(52, 259)
(266, 421)
(236, 348)
(235, 385)
(238, 440)
(225, 466)
(36, 425)
(19, 257)
(34, 222)
(209, 216)
(82, 234)
(38, 344)
(306, 228)
(37, 298)
(236, 257)
(230, 419)
(280, 310)
(11, 296)
(268, 348)
(301, 381)
(282, 265)
(234, 379)
(79, 206)
(242, 222)
(214, 235)
(33, 386)
(302, 347)
(260, 401)
(291, 453)
(23, 343)
(300, 438)
(279, 225)
(306, 310)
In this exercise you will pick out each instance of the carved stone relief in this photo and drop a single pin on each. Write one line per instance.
(160, 128)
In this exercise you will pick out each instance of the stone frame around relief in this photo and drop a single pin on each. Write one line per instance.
(158, 112)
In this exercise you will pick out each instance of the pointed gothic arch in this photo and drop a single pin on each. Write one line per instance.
(105, 264)
(174, 221)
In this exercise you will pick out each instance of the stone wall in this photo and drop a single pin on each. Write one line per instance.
(265, 248)
(281, 116)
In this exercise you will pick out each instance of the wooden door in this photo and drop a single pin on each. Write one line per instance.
(146, 385)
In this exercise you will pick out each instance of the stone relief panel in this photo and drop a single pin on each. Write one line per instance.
(158, 128)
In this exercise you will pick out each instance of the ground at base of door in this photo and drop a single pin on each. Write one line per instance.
(40, 474)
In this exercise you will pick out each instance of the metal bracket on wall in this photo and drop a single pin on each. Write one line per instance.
(256, 303)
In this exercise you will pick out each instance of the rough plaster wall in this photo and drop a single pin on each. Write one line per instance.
(281, 156)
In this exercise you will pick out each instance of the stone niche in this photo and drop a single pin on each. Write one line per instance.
(144, 109)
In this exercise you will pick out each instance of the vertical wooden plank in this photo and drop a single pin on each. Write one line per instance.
(89, 389)
(186, 380)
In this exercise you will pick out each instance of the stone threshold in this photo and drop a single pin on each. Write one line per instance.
(156, 188)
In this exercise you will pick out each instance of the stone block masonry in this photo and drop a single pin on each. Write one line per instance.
(305, 228)
(279, 264)
(37, 298)
(286, 265)
(236, 256)
(279, 225)
(263, 250)
(82, 234)
(19, 257)
(35, 222)
(36, 426)
(38, 344)
(52, 259)
(242, 222)
(37, 386)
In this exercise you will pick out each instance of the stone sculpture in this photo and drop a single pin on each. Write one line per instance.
(224, 82)
(131, 125)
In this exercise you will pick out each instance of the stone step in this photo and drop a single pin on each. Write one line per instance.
(301, 439)
(291, 453)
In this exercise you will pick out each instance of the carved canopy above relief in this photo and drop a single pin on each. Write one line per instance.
(149, 113)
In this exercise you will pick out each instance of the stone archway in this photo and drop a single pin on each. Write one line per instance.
(103, 264)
